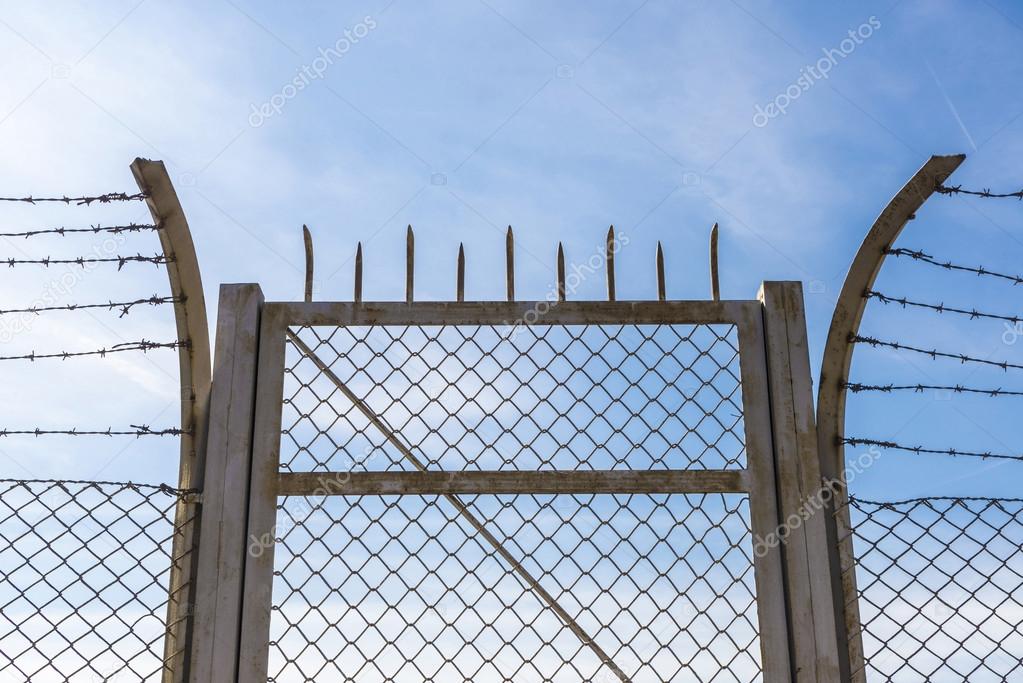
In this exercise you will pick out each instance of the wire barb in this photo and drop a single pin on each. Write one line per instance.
(85, 200)
(124, 306)
(939, 308)
(136, 431)
(934, 354)
(892, 445)
(958, 189)
(856, 388)
(156, 259)
(93, 230)
(919, 255)
(144, 346)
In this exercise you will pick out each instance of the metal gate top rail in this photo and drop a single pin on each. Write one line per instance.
(512, 313)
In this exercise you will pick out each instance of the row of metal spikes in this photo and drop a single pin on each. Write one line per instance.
(609, 260)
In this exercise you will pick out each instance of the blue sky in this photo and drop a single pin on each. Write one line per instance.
(463, 117)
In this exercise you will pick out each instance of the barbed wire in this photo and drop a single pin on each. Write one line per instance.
(156, 259)
(962, 358)
(926, 500)
(164, 488)
(125, 306)
(919, 255)
(144, 346)
(115, 229)
(86, 200)
(136, 431)
(955, 452)
(939, 308)
(958, 189)
(856, 388)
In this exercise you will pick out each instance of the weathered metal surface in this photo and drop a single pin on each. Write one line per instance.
(513, 482)
(510, 313)
(221, 561)
(801, 494)
(764, 518)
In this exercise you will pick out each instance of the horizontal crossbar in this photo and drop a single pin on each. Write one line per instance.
(510, 482)
(515, 312)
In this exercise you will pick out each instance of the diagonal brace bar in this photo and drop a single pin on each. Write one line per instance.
(462, 509)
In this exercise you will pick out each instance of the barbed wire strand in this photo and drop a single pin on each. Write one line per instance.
(934, 354)
(156, 259)
(97, 483)
(86, 200)
(926, 500)
(920, 255)
(95, 229)
(939, 308)
(955, 452)
(856, 388)
(958, 189)
(143, 346)
(136, 431)
(124, 306)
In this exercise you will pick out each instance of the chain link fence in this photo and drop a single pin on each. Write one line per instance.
(654, 587)
(84, 572)
(940, 588)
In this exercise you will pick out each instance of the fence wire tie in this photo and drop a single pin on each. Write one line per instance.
(985, 192)
(85, 200)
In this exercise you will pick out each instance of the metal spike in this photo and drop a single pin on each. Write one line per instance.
(308, 239)
(610, 262)
(715, 287)
(460, 284)
(561, 272)
(410, 263)
(358, 274)
(660, 273)
(509, 248)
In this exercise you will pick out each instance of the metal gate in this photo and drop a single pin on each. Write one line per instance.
(526, 491)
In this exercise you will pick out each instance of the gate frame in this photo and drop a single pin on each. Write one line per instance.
(780, 441)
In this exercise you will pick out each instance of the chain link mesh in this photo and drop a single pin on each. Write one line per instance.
(84, 570)
(940, 588)
(518, 398)
(403, 588)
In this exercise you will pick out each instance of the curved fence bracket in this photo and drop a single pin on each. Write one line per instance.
(837, 359)
(195, 372)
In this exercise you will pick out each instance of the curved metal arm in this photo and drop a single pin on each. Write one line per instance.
(195, 373)
(838, 352)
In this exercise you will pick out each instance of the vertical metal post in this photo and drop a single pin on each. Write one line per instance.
(221, 562)
(194, 371)
(767, 565)
(261, 536)
(802, 494)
